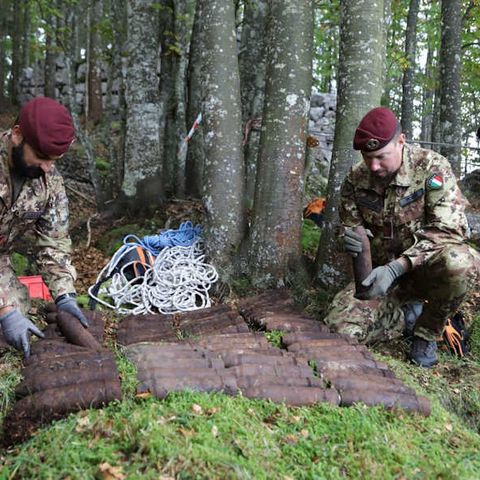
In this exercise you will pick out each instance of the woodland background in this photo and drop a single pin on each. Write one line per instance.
(136, 74)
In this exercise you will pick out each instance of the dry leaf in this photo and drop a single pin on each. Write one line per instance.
(82, 424)
(197, 409)
(304, 433)
(448, 427)
(215, 431)
(213, 410)
(108, 472)
(290, 438)
(143, 395)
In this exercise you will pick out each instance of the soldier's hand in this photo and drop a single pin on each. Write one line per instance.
(352, 242)
(17, 329)
(381, 279)
(68, 303)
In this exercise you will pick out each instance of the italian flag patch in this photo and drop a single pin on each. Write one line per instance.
(435, 182)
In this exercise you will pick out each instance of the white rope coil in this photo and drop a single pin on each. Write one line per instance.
(178, 281)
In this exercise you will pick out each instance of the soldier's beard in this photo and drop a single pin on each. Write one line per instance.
(21, 167)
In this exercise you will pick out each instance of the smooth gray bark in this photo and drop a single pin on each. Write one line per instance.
(450, 93)
(142, 185)
(360, 75)
(222, 131)
(274, 251)
(408, 94)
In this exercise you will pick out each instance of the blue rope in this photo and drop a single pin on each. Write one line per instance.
(185, 236)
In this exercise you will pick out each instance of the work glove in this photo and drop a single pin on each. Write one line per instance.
(68, 303)
(16, 330)
(381, 279)
(352, 242)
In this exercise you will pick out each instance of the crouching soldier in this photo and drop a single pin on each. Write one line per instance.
(32, 198)
(408, 199)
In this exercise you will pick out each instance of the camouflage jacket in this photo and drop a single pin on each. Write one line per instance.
(420, 211)
(41, 208)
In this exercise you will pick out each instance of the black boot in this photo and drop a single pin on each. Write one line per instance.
(424, 352)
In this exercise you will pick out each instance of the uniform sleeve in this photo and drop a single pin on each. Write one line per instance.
(348, 210)
(53, 242)
(445, 221)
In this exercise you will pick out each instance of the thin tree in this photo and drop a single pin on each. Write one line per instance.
(274, 243)
(408, 92)
(360, 83)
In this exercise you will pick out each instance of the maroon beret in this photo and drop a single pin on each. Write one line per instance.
(47, 126)
(375, 130)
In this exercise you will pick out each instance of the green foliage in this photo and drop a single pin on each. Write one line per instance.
(102, 164)
(10, 364)
(20, 264)
(310, 238)
(275, 338)
(474, 341)
(111, 241)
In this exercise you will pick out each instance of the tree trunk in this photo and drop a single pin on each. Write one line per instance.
(274, 250)
(50, 57)
(3, 39)
(94, 109)
(450, 94)
(16, 35)
(252, 82)
(195, 151)
(360, 74)
(142, 184)
(224, 169)
(428, 98)
(408, 83)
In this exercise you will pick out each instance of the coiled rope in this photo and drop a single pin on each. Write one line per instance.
(179, 279)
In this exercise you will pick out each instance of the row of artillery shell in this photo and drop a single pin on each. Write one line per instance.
(268, 373)
(354, 372)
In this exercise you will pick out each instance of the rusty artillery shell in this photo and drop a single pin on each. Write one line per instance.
(150, 361)
(144, 374)
(374, 376)
(161, 386)
(377, 384)
(335, 353)
(232, 360)
(250, 369)
(295, 396)
(293, 325)
(75, 333)
(328, 343)
(51, 332)
(51, 317)
(269, 297)
(228, 317)
(388, 399)
(297, 337)
(44, 380)
(347, 363)
(201, 314)
(51, 307)
(261, 380)
(335, 368)
(87, 359)
(68, 399)
(272, 352)
(362, 263)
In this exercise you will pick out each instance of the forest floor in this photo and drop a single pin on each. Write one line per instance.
(213, 436)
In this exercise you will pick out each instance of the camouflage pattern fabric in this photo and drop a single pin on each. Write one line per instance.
(42, 208)
(420, 215)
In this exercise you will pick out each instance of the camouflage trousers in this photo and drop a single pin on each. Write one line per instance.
(13, 293)
(441, 283)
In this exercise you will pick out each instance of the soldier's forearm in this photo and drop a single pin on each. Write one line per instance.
(405, 262)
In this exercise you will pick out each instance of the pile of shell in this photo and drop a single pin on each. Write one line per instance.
(66, 372)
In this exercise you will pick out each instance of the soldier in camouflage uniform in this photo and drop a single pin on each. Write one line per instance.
(408, 199)
(32, 198)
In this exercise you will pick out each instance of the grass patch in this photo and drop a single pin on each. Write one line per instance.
(213, 436)
(275, 338)
(310, 238)
(10, 364)
(474, 340)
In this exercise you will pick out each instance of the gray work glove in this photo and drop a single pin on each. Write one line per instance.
(16, 330)
(68, 303)
(381, 279)
(352, 242)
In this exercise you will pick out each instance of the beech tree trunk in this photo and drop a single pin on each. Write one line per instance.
(360, 75)
(408, 94)
(450, 94)
(142, 183)
(224, 169)
(274, 243)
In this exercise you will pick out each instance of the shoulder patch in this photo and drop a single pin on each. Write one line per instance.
(434, 182)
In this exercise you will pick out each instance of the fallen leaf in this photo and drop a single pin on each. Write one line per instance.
(197, 409)
(304, 433)
(108, 472)
(143, 395)
(290, 438)
(82, 424)
(213, 410)
(448, 427)
(215, 431)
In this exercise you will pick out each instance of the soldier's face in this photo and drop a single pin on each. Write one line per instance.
(385, 162)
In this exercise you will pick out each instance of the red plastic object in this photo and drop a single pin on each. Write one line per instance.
(36, 287)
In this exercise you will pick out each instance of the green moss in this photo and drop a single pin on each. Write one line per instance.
(111, 241)
(20, 264)
(310, 238)
(102, 164)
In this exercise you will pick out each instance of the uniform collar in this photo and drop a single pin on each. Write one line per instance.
(404, 174)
